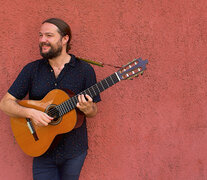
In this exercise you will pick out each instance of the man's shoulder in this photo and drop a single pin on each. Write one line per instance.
(83, 64)
(35, 63)
(38, 61)
(80, 64)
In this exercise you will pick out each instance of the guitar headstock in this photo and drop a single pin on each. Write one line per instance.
(132, 69)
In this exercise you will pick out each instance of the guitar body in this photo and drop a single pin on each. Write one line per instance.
(46, 134)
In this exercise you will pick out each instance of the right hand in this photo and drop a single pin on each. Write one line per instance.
(39, 118)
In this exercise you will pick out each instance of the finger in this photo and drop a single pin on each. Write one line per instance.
(83, 98)
(78, 105)
(48, 117)
(45, 119)
(43, 123)
(40, 123)
(89, 98)
(79, 98)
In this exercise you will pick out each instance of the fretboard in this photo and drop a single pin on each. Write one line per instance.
(92, 91)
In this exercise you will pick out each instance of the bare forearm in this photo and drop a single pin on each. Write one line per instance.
(12, 108)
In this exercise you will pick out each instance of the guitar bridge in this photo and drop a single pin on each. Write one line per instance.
(32, 129)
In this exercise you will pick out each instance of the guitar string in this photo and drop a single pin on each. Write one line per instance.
(62, 111)
(108, 84)
(54, 109)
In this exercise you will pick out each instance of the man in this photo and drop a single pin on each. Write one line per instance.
(57, 70)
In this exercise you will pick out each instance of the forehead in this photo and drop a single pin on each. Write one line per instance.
(48, 28)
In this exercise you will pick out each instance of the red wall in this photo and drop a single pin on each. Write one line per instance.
(151, 128)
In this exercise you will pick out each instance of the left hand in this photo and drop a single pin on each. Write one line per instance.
(88, 107)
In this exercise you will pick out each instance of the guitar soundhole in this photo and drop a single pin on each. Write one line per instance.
(53, 112)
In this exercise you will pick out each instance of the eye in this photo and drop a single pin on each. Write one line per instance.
(49, 35)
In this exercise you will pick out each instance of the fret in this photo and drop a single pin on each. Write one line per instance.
(102, 86)
(97, 88)
(76, 99)
(91, 91)
(63, 108)
(59, 110)
(71, 100)
(104, 83)
(112, 80)
(116, 78)
(57, 107)
(67, 106)
(107, 83)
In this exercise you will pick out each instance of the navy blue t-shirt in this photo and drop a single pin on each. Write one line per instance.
(37, 79)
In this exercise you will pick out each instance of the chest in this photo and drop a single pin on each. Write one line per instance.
(45, 81)
(57, 71)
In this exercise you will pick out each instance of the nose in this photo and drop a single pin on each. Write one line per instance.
(42, 38)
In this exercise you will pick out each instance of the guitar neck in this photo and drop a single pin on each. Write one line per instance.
(92, 91)
(130, 70)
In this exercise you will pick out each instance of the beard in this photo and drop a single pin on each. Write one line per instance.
(52, 53)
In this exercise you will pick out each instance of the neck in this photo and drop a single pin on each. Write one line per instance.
(60, 61)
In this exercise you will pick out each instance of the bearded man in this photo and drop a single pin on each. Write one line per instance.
(56, 70)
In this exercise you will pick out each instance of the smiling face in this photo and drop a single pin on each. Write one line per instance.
(50, 41)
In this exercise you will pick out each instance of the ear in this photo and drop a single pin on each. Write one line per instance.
(65, 39)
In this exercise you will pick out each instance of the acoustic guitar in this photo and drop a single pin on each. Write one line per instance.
(61, 105)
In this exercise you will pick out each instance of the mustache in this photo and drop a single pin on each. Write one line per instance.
(44, 44)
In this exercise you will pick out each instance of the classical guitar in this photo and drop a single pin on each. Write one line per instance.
(61, 105)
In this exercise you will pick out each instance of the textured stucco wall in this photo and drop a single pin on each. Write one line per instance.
(151, 128)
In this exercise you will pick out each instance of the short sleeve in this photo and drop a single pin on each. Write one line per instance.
(21, 85)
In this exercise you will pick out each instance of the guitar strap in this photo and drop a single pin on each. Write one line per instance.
(96, 62)
(91, 61)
